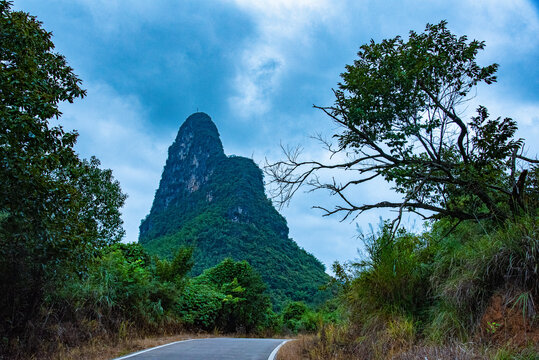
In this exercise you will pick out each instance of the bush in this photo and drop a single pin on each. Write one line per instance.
(245, 303)
(298, 317)
(200, 306)
(292, 316)
(115, 290)
(392, 278)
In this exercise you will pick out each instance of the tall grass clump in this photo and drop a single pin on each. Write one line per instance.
(385, 293)
(391, 279)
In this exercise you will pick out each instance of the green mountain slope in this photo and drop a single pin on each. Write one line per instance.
(218, 204)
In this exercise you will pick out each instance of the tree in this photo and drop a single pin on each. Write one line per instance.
(292, 315)
(177, 269)
(399, 109)
(245, 304)
(56, 209)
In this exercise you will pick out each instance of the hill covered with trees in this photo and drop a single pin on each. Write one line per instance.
(217, 204)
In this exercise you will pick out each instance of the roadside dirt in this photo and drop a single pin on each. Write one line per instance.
(504, 323)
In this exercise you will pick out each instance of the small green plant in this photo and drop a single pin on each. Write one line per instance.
(492, 327)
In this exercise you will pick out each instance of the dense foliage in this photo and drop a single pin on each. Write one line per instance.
(56, 209)
(121, 289)
(217, 205)
(468, 292)
(245, 304)
(439, 289)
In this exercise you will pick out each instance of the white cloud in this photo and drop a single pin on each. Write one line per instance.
(504, 25)
(255, 83)
(285, 18)
(282, 26)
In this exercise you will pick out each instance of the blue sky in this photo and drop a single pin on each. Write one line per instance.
(257, 67)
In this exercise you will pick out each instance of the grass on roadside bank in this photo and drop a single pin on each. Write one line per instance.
(315, 347)
(454, 292)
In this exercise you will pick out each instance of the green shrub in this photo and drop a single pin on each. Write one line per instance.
(298, 317)
(292, 315)
(200, 306)
(245, 303)
(393, 277)
(113, 290)
(132, 252)
(177, 269)
(273, 323)
(311, 321)
(121, 286)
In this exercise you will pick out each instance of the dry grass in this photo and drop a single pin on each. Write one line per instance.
(296, 349)
(313, 348)
(444, 352)
(106, 349)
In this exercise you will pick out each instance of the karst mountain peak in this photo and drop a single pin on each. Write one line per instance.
(192, 159)
(217, 204)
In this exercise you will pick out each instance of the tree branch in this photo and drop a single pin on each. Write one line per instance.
(454, 117)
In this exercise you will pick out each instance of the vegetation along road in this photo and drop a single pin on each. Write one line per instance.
(210, 349)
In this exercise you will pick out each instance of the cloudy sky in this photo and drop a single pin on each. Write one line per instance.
(257, 67)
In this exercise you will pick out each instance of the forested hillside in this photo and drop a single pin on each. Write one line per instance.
(217, 205)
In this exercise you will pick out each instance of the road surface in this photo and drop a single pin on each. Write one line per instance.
(211, 349)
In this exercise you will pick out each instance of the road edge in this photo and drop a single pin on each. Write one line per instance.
(150, 349)
(276, 350)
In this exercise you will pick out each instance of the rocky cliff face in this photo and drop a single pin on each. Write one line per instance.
(192, 160)
(217, 204)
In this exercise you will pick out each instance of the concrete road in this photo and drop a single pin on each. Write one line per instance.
(211, 349)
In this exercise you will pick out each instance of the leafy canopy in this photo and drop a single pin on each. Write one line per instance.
(56, 209)
(399, 109)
